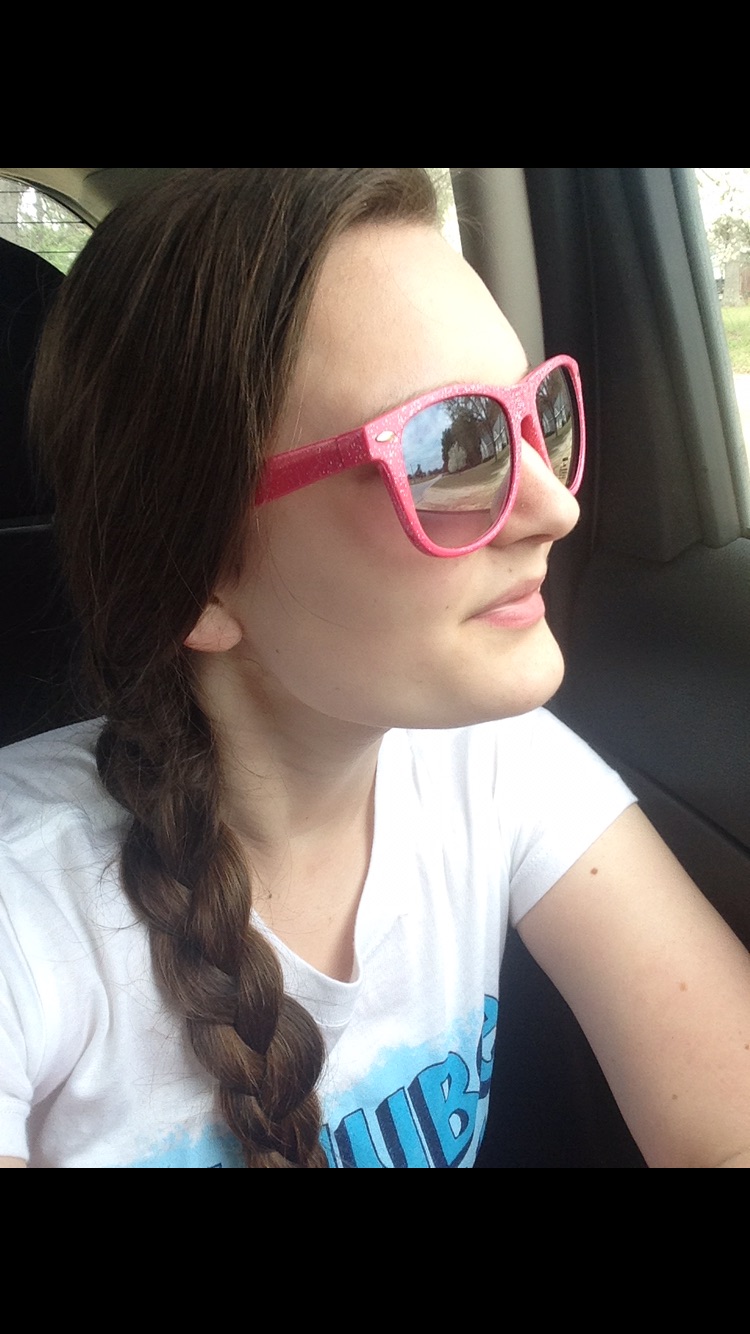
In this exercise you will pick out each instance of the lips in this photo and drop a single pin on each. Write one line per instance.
(518, 609)
(515, 597)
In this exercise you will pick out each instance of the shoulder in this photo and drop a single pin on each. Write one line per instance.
(51, 779)
(528, 787)
(43, 765)
(63, 947)
(59, 829)
(532, 753)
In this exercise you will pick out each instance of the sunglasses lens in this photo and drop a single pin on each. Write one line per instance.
(557, 407)
(458, 461)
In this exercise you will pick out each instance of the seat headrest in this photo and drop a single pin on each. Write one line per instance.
(28, 285)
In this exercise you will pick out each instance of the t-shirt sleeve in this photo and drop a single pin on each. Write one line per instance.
(561, 796)
(17, 997)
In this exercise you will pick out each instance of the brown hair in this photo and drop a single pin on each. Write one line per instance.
(161, 375)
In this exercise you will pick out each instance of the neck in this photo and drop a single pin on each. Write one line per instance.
(299, 796)
(288, 770)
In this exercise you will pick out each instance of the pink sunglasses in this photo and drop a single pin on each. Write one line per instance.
(451, 459)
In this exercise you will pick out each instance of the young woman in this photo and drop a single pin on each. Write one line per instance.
(255, 916)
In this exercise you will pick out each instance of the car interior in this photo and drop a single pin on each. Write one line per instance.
(650, 597)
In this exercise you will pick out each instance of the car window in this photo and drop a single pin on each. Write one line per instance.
(32, 219)
(441, 177)
(725, 203)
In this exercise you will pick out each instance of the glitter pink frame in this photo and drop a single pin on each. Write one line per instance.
(379, 442)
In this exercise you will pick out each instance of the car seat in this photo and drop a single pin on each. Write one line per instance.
(37, 629)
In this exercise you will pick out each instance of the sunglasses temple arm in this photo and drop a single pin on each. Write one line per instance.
(299, 468)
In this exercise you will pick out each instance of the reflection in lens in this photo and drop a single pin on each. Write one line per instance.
(458, 461)
(558, 415)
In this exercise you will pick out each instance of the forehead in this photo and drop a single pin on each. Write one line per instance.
(397, 312)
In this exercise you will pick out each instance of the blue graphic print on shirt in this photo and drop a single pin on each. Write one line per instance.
(435, 1118)
(215, 1148)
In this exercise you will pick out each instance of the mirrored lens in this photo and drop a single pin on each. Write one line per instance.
(458, 461)
(558, 414)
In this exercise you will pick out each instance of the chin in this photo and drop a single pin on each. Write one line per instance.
(509, 693)
(526, 679)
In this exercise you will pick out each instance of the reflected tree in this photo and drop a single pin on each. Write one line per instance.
(478, 432)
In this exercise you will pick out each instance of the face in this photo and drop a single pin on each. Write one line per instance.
(336, 612)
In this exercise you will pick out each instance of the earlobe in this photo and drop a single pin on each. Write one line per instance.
(216, 630)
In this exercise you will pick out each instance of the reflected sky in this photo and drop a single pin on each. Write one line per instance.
(423, 439)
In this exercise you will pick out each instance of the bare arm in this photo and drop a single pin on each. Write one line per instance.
(661, 988)
(12, 1162)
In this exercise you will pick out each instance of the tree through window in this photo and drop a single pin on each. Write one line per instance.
(31, 219)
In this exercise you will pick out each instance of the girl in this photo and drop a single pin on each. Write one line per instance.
(256, 916)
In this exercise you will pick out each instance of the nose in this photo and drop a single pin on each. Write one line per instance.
(544, 510)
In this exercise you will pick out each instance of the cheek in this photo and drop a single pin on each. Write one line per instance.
(339, 553)
(341, 602)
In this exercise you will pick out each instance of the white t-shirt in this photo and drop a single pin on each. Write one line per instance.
(472, 828)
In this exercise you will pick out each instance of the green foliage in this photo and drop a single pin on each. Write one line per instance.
(441, 179)
(737, 325)
(38, 223)
(729, 239)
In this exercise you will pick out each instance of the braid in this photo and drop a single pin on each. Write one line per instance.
(185, 875)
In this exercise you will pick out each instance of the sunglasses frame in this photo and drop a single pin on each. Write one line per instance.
(379, 442)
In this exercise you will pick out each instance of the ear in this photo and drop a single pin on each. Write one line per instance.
(216, 630)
